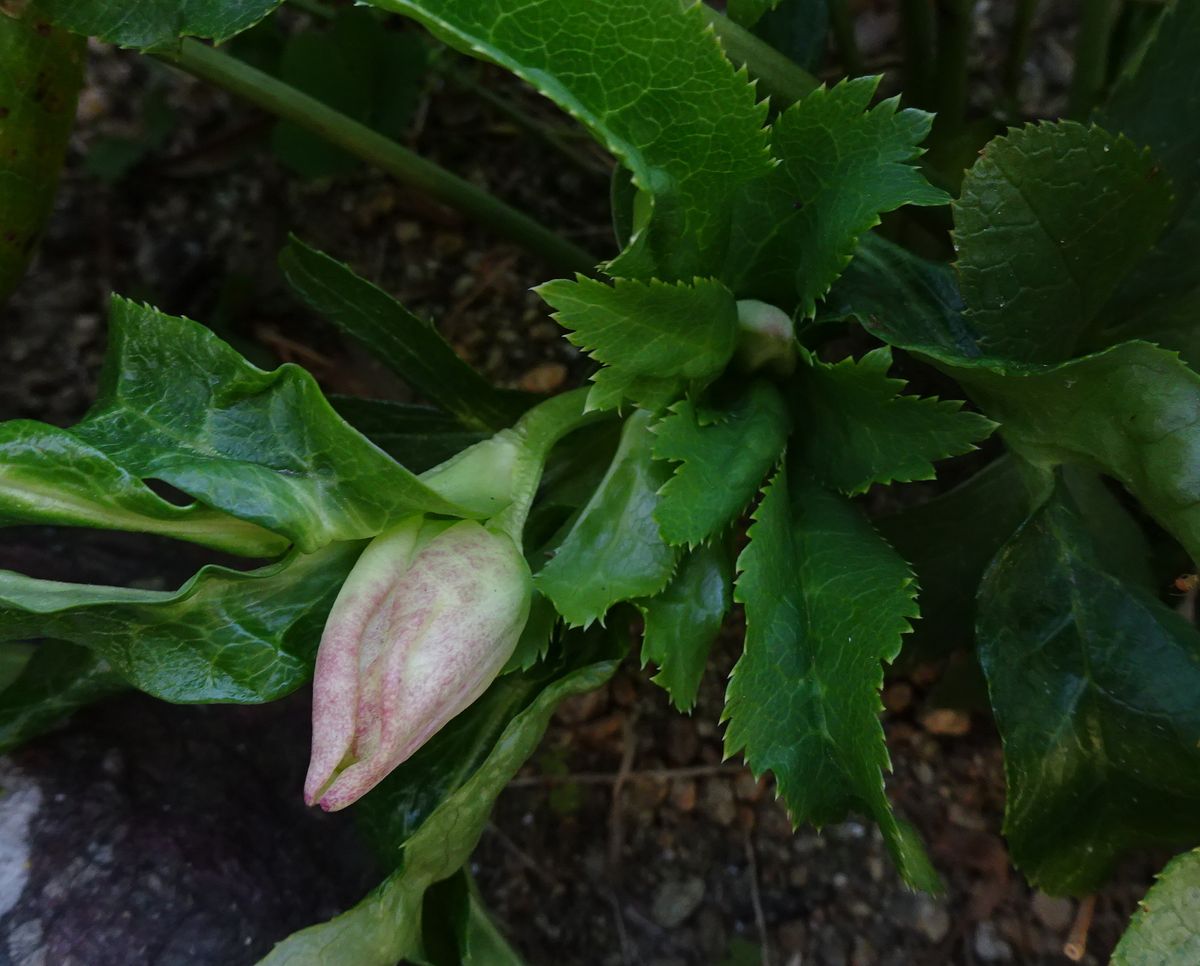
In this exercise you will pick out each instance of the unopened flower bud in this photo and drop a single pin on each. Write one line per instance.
(427, 619)
(767, 338)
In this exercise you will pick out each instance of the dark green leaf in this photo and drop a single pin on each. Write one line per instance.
(40, 75)
(49, 476)
(361, 69)
(856, 429)
(1166, 928)
(798, 29)
(669, 335)
(648, 78)
(1130, 412)
(723, 455)
(385, 926)
(902, 298)
(1158, 104)
(613, 550)
(179, 405)
(683, 621)
(417, 437)
(840, 166)
(826, 604)
(1050, 219)
(225, 636)
(1094, 686)
(56, 681)
(949, 542)
(153, 23)
(410, 347)
(746, 13)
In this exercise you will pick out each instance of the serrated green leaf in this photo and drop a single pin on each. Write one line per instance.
(722, 461)
(41, 72)
(826, 604)
(658, 338)
(1093, 683)
(1165, 930)
(57, 680)
(857, 429)
(683, 621)
(1158, 104)
(386, 926)
(407, 345)
(179, 405)
(153, 23)
(649, 80)
(613, 551)
(745, 13)
(840, 166)
(416, 437)
(48, 476)
(225, 636)
(617, 389)
(1050, 219)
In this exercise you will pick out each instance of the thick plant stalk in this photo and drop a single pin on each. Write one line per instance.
(285, 101)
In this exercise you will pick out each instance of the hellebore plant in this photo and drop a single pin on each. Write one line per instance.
(477, 560)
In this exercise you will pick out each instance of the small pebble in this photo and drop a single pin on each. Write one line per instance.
(544, 378)
(1053, 912)
(676, 900)
(989, 946)
(946, 721)
(932, 919)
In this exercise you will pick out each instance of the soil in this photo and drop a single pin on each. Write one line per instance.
(627, 838)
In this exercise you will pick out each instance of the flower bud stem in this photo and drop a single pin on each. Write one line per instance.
(536, 433)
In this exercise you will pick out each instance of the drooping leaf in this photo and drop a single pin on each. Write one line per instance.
(385, 926)
(826, 604)
(179, 405)
(225, 636)
(56, 681)
(1050, 219)
(41, 71)
(613, 551)
(416, 437)
(649, 80)
(856, 429)
(670, 336)
(1166, 928)
(683, 621)
(723, 456)
(150, 24)
(1158, 104)
(408, 346)
(840, 166)
(48, 476)
(1093, 683)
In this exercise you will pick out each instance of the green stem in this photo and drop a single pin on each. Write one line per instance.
(535, 434)
(955, 30)
(775, 73)
(285, 101)
(1018, 46)
(1091, 55)
(917, 19)
(842, 22)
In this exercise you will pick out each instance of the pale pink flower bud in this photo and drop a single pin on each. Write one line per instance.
(426, 620)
